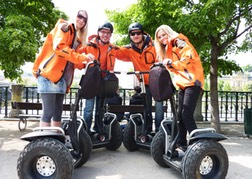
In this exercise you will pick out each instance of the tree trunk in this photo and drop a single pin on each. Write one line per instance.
(16, 96)
(198, 110)
(214, 105)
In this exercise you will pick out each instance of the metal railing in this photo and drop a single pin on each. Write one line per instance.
(231, 103)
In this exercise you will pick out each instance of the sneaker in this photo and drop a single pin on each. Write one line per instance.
(182, 148)
(179, 153)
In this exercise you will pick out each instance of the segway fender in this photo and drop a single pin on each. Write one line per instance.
(43, 134)
(208, 135)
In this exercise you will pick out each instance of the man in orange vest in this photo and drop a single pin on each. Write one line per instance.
(141, 52)
(99, 45)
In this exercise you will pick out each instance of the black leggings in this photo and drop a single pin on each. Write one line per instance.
(52, 107)
(187, 104)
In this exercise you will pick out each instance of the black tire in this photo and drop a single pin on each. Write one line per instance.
(22, 124)
(85, 149)
(128, 138)
(45, 158)
(116, 138)
(205, 159)
(158, 148)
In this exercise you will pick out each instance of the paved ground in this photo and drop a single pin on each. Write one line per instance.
(122, 164)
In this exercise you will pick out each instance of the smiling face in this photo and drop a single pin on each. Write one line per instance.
(162, 37)
(136, 36)
(105, 35)
(81, 19)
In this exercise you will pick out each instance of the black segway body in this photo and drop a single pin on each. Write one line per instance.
(161, 87)
(204, 157)
(136, 134)
(109, 134)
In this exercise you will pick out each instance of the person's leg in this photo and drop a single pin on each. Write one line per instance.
(98, 112)
(48, 101)
(56, 122)
(88, 112)
(159, 114)
(149, 111)
(189, 104)
(182, 130)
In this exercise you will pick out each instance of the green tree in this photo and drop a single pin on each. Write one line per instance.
(248, 87)
(227, 86)
(213, 26)
(247, 68)
(220, 85)
(23, 24)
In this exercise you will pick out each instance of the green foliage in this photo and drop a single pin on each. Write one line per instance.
(248, 87)
(220, 85)
(23, 24)
(19, 43)
(227, 86)
(211, 26)
(247, 68)
(227, 67)
(206, 86)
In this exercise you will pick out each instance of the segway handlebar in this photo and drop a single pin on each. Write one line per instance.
(157, 64)
(137, 72)
(113, 72)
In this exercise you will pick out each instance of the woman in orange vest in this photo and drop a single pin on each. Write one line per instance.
(183, 61)
(54, 66)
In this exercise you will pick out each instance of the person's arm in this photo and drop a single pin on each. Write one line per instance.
(61, 46)
(122, 53)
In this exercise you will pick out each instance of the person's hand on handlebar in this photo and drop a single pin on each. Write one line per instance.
(90, 56)
(167, 61)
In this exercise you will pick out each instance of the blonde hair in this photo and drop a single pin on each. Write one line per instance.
(82, 33)
(160, 48)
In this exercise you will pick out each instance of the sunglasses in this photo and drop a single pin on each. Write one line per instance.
(80, 16)
(135, 33)
(104, 32)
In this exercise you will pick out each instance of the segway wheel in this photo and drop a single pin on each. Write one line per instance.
(45, 158)
(158, 148)
(128, 138)
(205, 159)
(116, 137)
(22, 123)
(85, 144)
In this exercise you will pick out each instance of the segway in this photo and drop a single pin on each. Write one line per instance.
(204, 157)
(136, 134)
(108, 133)
(53, 152)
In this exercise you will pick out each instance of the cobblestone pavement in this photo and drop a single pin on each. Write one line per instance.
(122, 164)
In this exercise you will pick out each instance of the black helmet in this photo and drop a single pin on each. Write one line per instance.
(135, 26)
(107, 26)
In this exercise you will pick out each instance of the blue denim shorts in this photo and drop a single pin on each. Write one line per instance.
(47, 86)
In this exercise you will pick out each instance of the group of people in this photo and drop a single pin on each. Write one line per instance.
(66, 48)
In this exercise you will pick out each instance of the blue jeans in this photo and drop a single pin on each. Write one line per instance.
(47, 86)
(159, 113)
(88, 112)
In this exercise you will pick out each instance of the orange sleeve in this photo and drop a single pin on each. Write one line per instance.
(122, 54)
(186, 57)
(61, 45)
